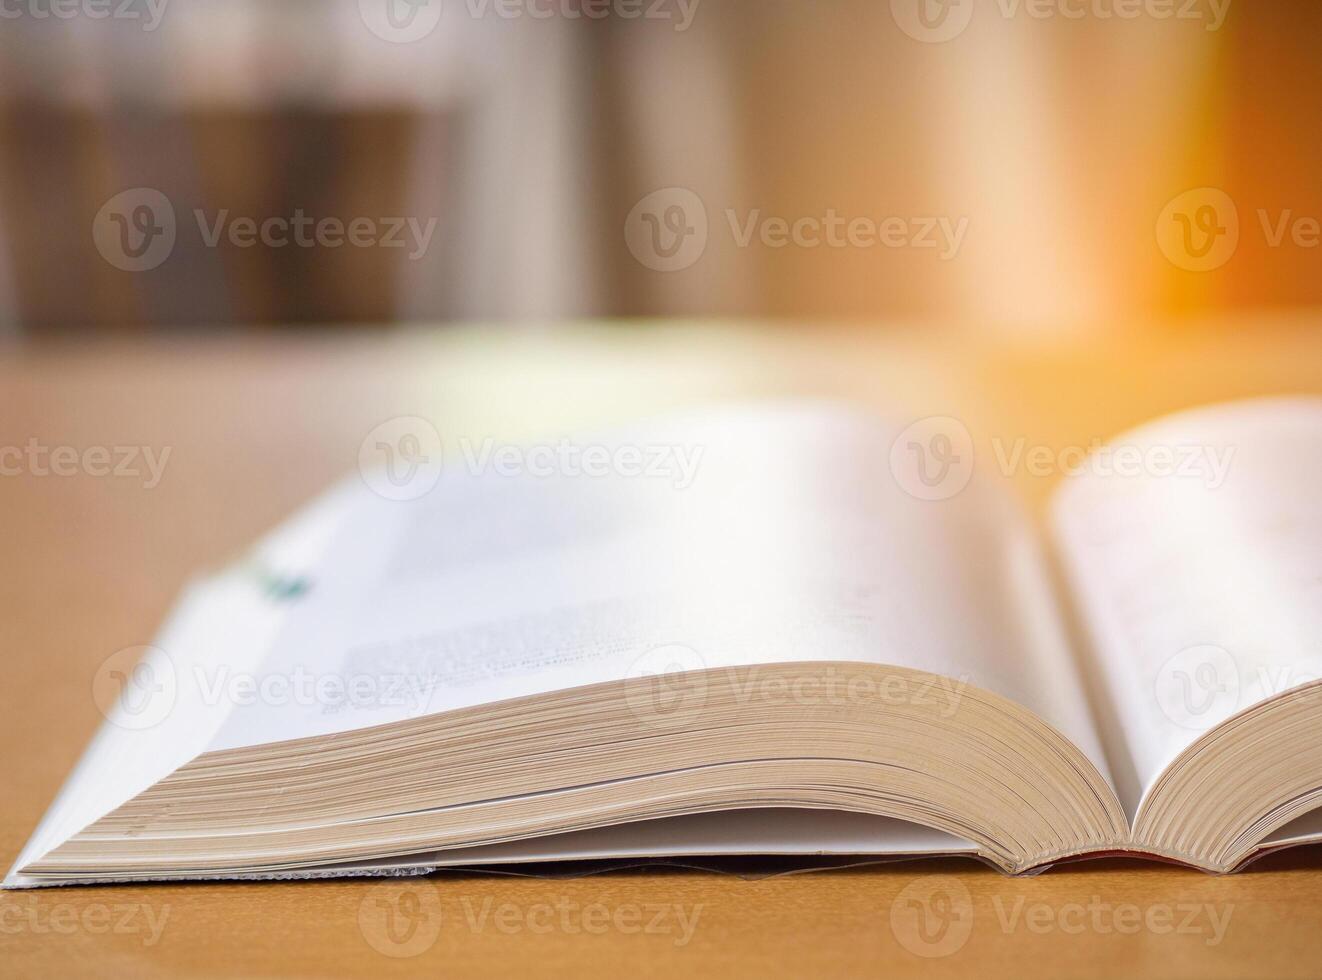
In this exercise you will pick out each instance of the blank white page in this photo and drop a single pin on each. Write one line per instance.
(1196, 562)
(791, 540)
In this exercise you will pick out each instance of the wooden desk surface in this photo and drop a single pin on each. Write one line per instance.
(256, 426)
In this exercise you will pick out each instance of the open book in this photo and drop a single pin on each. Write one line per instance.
(783, 630)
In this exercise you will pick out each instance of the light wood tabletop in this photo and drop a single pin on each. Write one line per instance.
(255, 425)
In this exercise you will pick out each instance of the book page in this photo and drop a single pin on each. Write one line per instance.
(164, 709)
(765, 535)
(753, 536)
(1194, 547)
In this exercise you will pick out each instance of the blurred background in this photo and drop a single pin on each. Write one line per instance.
(1021, 165)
